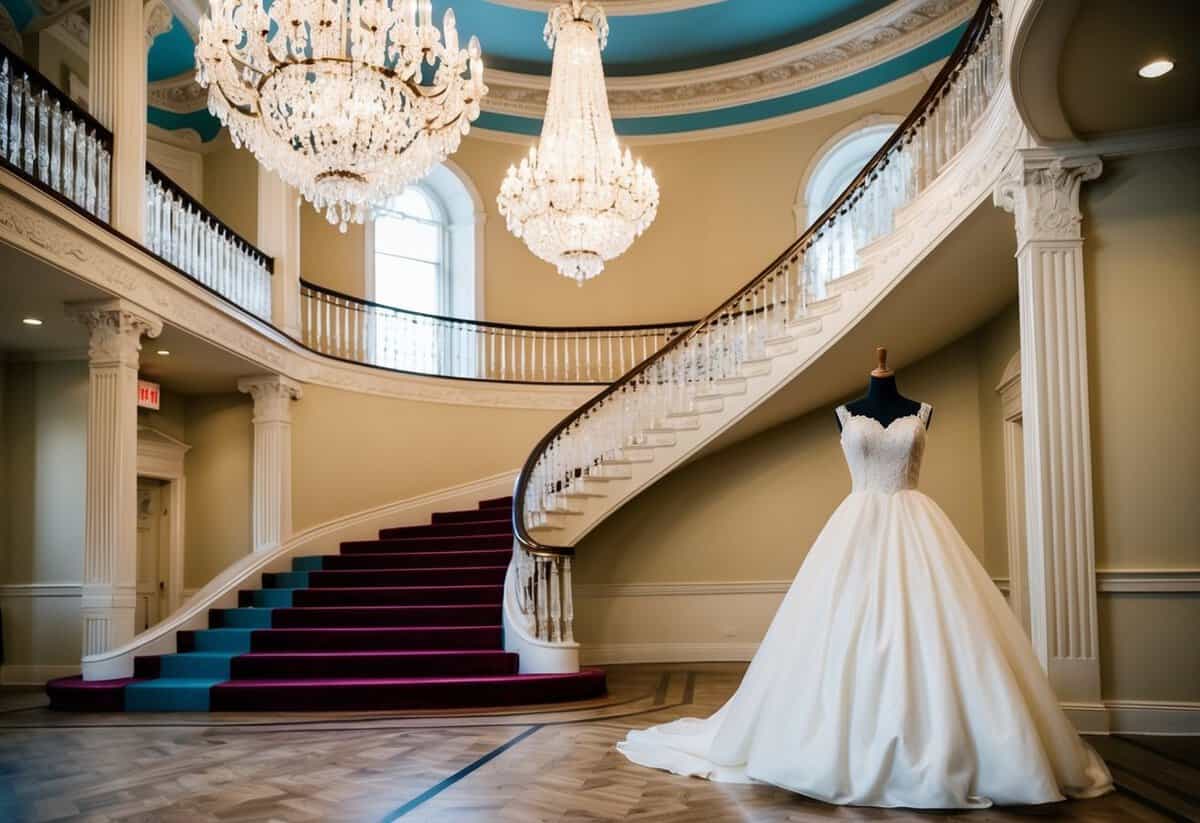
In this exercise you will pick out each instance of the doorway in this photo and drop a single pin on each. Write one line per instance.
(153, 556)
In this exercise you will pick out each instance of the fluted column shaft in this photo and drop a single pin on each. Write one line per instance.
(110, 518)
(279, 236)
(1042, 191)
(271, 519)
(117, 90)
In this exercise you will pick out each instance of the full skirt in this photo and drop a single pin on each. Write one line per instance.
(893, 674)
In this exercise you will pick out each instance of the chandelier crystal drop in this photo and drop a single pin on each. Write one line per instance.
(577, 200)
(347, 100)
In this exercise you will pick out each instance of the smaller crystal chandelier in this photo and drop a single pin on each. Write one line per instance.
(347, 100)
(577, 200)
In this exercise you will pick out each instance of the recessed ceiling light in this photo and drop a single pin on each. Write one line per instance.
(163, 353)
(1155, 68)
(32, 321)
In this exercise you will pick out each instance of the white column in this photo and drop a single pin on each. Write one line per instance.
(272, 498)
(117, 91)
(110, 518)
(1042, 191)
(279, 236)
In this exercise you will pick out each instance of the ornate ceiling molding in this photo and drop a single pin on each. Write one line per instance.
(614, 8)
(888, 33)
(180, 94)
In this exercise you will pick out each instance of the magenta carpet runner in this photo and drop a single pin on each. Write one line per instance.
(409, 621)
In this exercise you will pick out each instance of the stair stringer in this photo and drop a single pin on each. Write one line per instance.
(247, 572)
(963, 185)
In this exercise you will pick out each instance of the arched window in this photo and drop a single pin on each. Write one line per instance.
(837, 163)
(425, 247)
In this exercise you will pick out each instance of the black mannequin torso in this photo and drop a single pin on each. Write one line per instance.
(883, 402)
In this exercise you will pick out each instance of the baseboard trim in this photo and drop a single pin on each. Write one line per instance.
(623, 653)
(1157, 717)
(17, 675)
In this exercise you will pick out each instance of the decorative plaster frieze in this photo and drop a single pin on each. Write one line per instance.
(158, 20)
(892, 31)
(615, 8)
(180, 94)
(46, 229)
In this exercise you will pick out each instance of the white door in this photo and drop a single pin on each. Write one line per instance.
(151, 562)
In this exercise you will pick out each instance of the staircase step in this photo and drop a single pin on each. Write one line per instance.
(399, 596)
(349, 694)
(429, 544)
(370, 578)
(416, 560)
(288, 665)
(464, 516)
(497, 503)
(444, 638)
(356, 616)
(491, 527)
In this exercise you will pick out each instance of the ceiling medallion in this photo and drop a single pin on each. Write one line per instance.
(577, 201)
(347, 100)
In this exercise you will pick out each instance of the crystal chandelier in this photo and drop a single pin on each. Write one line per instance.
(347, 100)
(577, 200)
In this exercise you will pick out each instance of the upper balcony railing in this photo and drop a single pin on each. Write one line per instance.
(46, 137)
(360, 331)
(689, 371)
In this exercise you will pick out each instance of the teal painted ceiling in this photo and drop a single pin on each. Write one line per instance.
(687, 37)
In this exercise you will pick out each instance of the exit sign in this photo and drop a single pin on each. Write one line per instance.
(148, 394)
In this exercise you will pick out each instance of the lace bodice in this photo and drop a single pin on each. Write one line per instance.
(884, 459)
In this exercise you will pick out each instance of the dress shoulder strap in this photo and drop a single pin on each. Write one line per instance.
(924, 413)
(843, 414)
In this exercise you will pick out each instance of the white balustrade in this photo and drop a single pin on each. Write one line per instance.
(366, 332)
(707, 357)
(184, 234)
(44, 136)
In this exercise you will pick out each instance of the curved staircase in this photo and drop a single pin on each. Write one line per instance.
(411, 620)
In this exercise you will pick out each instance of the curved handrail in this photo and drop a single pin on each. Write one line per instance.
(977, 29)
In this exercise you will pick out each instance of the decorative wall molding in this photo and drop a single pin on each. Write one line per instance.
(180, 94)
(43, 227)
(8, 590)
(874, 39)
(1148, 581)
(615, 8)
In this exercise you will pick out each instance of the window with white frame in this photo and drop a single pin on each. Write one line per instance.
(837, 163)
(410, 254)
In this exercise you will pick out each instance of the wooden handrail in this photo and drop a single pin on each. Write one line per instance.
(976, 30)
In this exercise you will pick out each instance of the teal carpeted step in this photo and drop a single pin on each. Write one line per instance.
(286, 580)
(308, 564)
(196, 665)
(223, 640)
(271, 598)
(169, 695)
(245, 618)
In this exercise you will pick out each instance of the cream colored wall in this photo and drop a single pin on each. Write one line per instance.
(726, 213)
(1142, 269)
(231, 186)
(219, 470)
(751, 511)
(996, 343)
(396, 449)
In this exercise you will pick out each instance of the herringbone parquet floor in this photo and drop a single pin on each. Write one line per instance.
(542, 765)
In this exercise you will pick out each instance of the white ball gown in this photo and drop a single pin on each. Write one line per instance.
(894, 673)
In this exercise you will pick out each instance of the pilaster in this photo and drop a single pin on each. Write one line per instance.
(272, 497)
(279, 236)
(117, 91)
(1042, 191)
(110, 517)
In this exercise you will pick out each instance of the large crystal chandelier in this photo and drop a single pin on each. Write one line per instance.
(347, 100)
(577, 200)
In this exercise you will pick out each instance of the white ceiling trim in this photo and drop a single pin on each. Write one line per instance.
(614, 8)
(890, 32)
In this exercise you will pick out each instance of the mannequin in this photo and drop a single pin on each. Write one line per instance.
(883, 401)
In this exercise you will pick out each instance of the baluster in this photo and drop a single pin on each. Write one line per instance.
(540, 598)
(80, 196)
(29, 137)
(43, 138)
(555, 605)
(577, 358)
(103, 196)
(14, 121)
(5, 84)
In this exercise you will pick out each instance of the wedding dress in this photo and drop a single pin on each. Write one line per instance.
(894, 673)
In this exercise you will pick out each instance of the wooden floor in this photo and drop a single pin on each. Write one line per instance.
(556, 763)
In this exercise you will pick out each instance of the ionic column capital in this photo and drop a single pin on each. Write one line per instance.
(115, 330)
(157, 19)
(1041, 190)
(272, 394)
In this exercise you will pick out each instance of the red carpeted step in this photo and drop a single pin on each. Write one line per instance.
(290, 665)
(417, 560)
(400, 596)
(497, 503)
(491, 527)
(369, 578)
(429, 544)
(444, 638)
(329, 617)
(78, 695)
(405, 693)
(465, 516)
